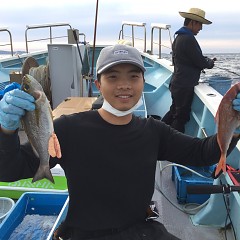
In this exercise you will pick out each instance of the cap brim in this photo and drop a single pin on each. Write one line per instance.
(106, 67)
(195, 17)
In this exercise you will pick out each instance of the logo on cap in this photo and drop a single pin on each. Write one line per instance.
(120, 52)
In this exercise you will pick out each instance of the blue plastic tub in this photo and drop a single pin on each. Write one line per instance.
(220, 83)
(42, 208)
(183, 178)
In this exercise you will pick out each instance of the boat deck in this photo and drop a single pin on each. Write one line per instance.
(179, 223)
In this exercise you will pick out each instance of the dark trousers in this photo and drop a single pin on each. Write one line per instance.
(179, 113)
(152, 230)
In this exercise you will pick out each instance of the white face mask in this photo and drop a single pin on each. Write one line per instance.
(106, 106)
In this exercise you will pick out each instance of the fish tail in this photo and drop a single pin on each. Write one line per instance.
(43, 172)
(54, 148)
(221, 165)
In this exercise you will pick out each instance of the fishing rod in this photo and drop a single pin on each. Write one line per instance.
(210, 189)
(93, 55)
(225, 69)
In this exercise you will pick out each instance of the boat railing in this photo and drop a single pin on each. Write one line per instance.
(10, 39)
(154, 26)
(160, 27)
(84, 38)
(133, 26)
(41, 26)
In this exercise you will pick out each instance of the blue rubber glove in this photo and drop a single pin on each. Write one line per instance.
(8, 88)
(236, 106)
(13, 106)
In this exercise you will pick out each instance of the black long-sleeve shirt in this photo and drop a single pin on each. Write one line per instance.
(110, 169)
(188, 59)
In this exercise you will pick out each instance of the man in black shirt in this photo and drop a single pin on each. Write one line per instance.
(188, 62)
(109, 156)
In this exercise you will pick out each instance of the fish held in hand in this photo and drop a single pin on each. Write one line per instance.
(227, 120)
(38, 125)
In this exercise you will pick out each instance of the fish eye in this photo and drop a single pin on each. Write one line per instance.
(26, 87)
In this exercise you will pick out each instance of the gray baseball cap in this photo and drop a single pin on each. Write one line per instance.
(117, 54)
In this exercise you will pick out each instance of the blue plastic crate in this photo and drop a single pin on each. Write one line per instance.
(36, 204)
(183, 177)
(3, 85)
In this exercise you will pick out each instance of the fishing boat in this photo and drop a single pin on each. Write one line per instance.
(69, 68)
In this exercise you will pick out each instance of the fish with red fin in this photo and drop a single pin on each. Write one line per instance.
(227, 120)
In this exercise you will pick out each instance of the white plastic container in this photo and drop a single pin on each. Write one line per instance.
(6, 205)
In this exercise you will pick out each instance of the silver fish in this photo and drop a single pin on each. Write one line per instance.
(228, 120)
(38, 125)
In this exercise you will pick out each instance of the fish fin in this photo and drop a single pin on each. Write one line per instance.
(43, 172)
(54, 148)
(221, 165)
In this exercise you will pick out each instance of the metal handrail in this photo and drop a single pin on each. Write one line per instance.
(84, 37)
(160, 27)
(10, 39)
(134, 24)
(50, 26)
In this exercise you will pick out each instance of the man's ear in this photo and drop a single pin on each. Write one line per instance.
(97, 83)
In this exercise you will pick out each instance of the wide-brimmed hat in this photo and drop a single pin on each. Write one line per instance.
(196, 14)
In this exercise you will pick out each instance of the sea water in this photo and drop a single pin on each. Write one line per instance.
(34, 227)
(226, 65)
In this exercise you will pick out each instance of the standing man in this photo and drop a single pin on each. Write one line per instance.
(188, 62)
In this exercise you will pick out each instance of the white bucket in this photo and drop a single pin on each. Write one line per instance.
(6, 205)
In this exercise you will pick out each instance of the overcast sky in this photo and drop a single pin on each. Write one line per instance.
(223, 36)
